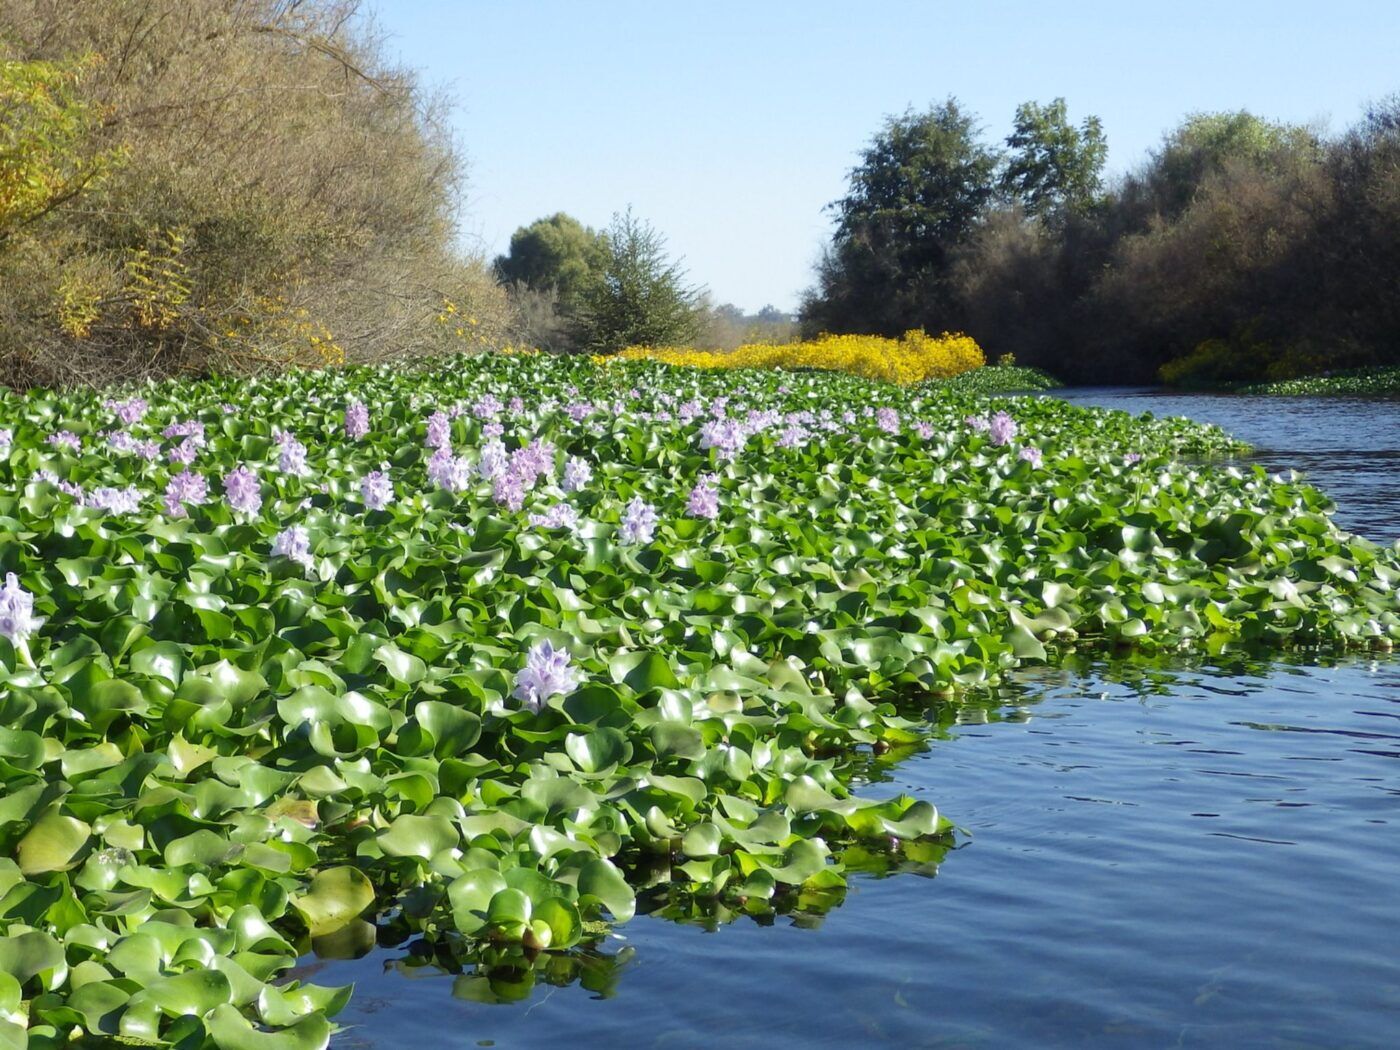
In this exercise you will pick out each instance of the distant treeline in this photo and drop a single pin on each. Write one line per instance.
(574, 288)
(1242, 248)
(196, 185)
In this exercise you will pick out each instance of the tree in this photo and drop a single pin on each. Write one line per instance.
(222, 186)
(914, 198)
(1054, 167)
(1206, 143)
(641, 298)
(45, 130)
(555, 254)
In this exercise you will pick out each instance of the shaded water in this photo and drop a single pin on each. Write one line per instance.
(1187, 853)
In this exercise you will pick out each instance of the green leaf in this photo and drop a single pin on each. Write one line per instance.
(598, 749)
(642, 671)
(334, 898)
(703, 840)
(230, 1030)
(55, 843)
(402, 667)
(470, 896)
(26, 955)
(602, 882)
(412, 835)
(195, 993)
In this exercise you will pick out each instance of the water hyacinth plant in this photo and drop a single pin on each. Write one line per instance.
(641, 676)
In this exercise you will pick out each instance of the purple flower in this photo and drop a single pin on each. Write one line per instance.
(243, 491)
(295, 544)
(704, 499)
(492, 463)
(689, 410)
(792, 437)
(577, 474)
(978, 424)
(356, 420)
(516, 406)
(887, 419)
(125, 441)
(1132, 457)
(1002, 429)
(638, 522)
(547, 672)
(184, 489)
(924, 430)
(449, 472)
(725, 436)
(17, 619)
(116, 501)
(534, 461)
(128, 412)
(376, 490)
(192, 429)
(492, 430)
(65, 439)
(765, 420)
(488, 406)
(439, 431)
(508, 490)
(68, 488)
(1030, 454)
(292, 458)
(185, 452)
(559, 516)
(578, 411)
(7, 438)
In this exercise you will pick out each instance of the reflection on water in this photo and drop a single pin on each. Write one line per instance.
(1347, 446)
(1152, 853)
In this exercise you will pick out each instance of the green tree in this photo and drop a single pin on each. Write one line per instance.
(1206, 143)
(914, 198)
(641, 298)
(1053, 167)
(555, 254)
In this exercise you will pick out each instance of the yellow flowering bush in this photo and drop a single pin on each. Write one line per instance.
(912, 358)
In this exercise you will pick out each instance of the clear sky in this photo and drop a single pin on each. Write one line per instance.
(729, 124)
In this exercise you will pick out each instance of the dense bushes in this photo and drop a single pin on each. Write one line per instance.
(228, 186)
(1241, 249)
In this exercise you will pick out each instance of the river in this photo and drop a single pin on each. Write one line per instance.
(1188, 853)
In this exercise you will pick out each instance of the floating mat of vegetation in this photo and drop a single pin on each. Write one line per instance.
(1359, 381)
(1002, 379)
(483, 651)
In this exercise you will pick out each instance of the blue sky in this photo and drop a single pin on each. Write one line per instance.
(729, 125)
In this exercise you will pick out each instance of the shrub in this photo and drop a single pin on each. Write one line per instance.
(230, 186)
(913, 358)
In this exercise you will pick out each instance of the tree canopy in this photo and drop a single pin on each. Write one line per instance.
(1053, 166)
(641, 298)
(557, 253)
(913, 199)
